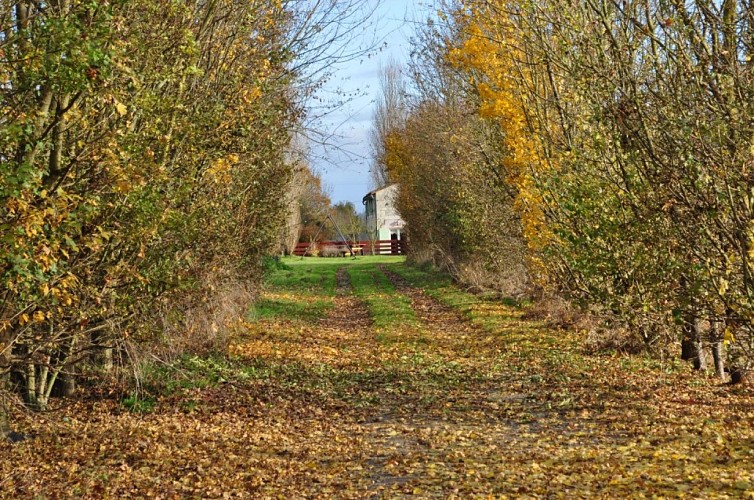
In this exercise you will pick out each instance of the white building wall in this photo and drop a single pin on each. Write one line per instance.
(389, 221)
(383, 220)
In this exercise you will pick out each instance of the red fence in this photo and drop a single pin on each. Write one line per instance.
(339, 248)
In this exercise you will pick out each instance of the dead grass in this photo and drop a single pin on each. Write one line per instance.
(600, 333)
(606, 338)
(210, 324)
(555, 312)
(509, 281)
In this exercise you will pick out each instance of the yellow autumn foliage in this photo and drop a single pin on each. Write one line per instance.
(489, 55)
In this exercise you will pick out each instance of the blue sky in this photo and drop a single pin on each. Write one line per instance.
(344, 161)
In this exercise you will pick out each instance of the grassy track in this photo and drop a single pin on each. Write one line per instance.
(364, 378)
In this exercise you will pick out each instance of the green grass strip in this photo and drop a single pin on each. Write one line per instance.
(297, 290)
(388, 309)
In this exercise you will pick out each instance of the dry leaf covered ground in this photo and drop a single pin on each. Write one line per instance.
(366, 379)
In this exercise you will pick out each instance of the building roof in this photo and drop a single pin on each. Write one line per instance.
(375, 191)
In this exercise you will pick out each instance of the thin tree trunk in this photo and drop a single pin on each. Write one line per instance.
(58, 134)
(692, 348)
(700, 363)
(107, 359)
(4, 418)
(102, 355)
(31, 385)
(717, 355)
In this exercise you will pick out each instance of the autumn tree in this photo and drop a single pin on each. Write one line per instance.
(308, 205)
(389, 115)
(634, 120)
(348, 220)
(144, 167)
(453, 193)
(314, 204)
(59, 116)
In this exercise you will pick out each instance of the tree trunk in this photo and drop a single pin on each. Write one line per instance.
(716, 336)
(700, 362)
(107, 359)
(717, 355)
(5, 379)
(692, 348)
(4, 418)
(102, 355)
(4, 421)
(30, 380)
(69, 385)
(65, 384)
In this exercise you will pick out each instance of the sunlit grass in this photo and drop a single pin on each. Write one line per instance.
(388, 309)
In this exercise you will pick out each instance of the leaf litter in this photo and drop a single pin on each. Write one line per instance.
(471, 401)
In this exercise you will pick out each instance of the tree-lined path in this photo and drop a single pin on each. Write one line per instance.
(365, 378)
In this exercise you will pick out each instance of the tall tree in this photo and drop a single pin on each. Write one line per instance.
(350, 223)
(630, 129)
(389, 115)
(453, 191)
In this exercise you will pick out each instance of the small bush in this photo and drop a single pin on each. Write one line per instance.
(556, 312)
(272, 263)
(330, 251)
(136, 403)
(197, 327)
